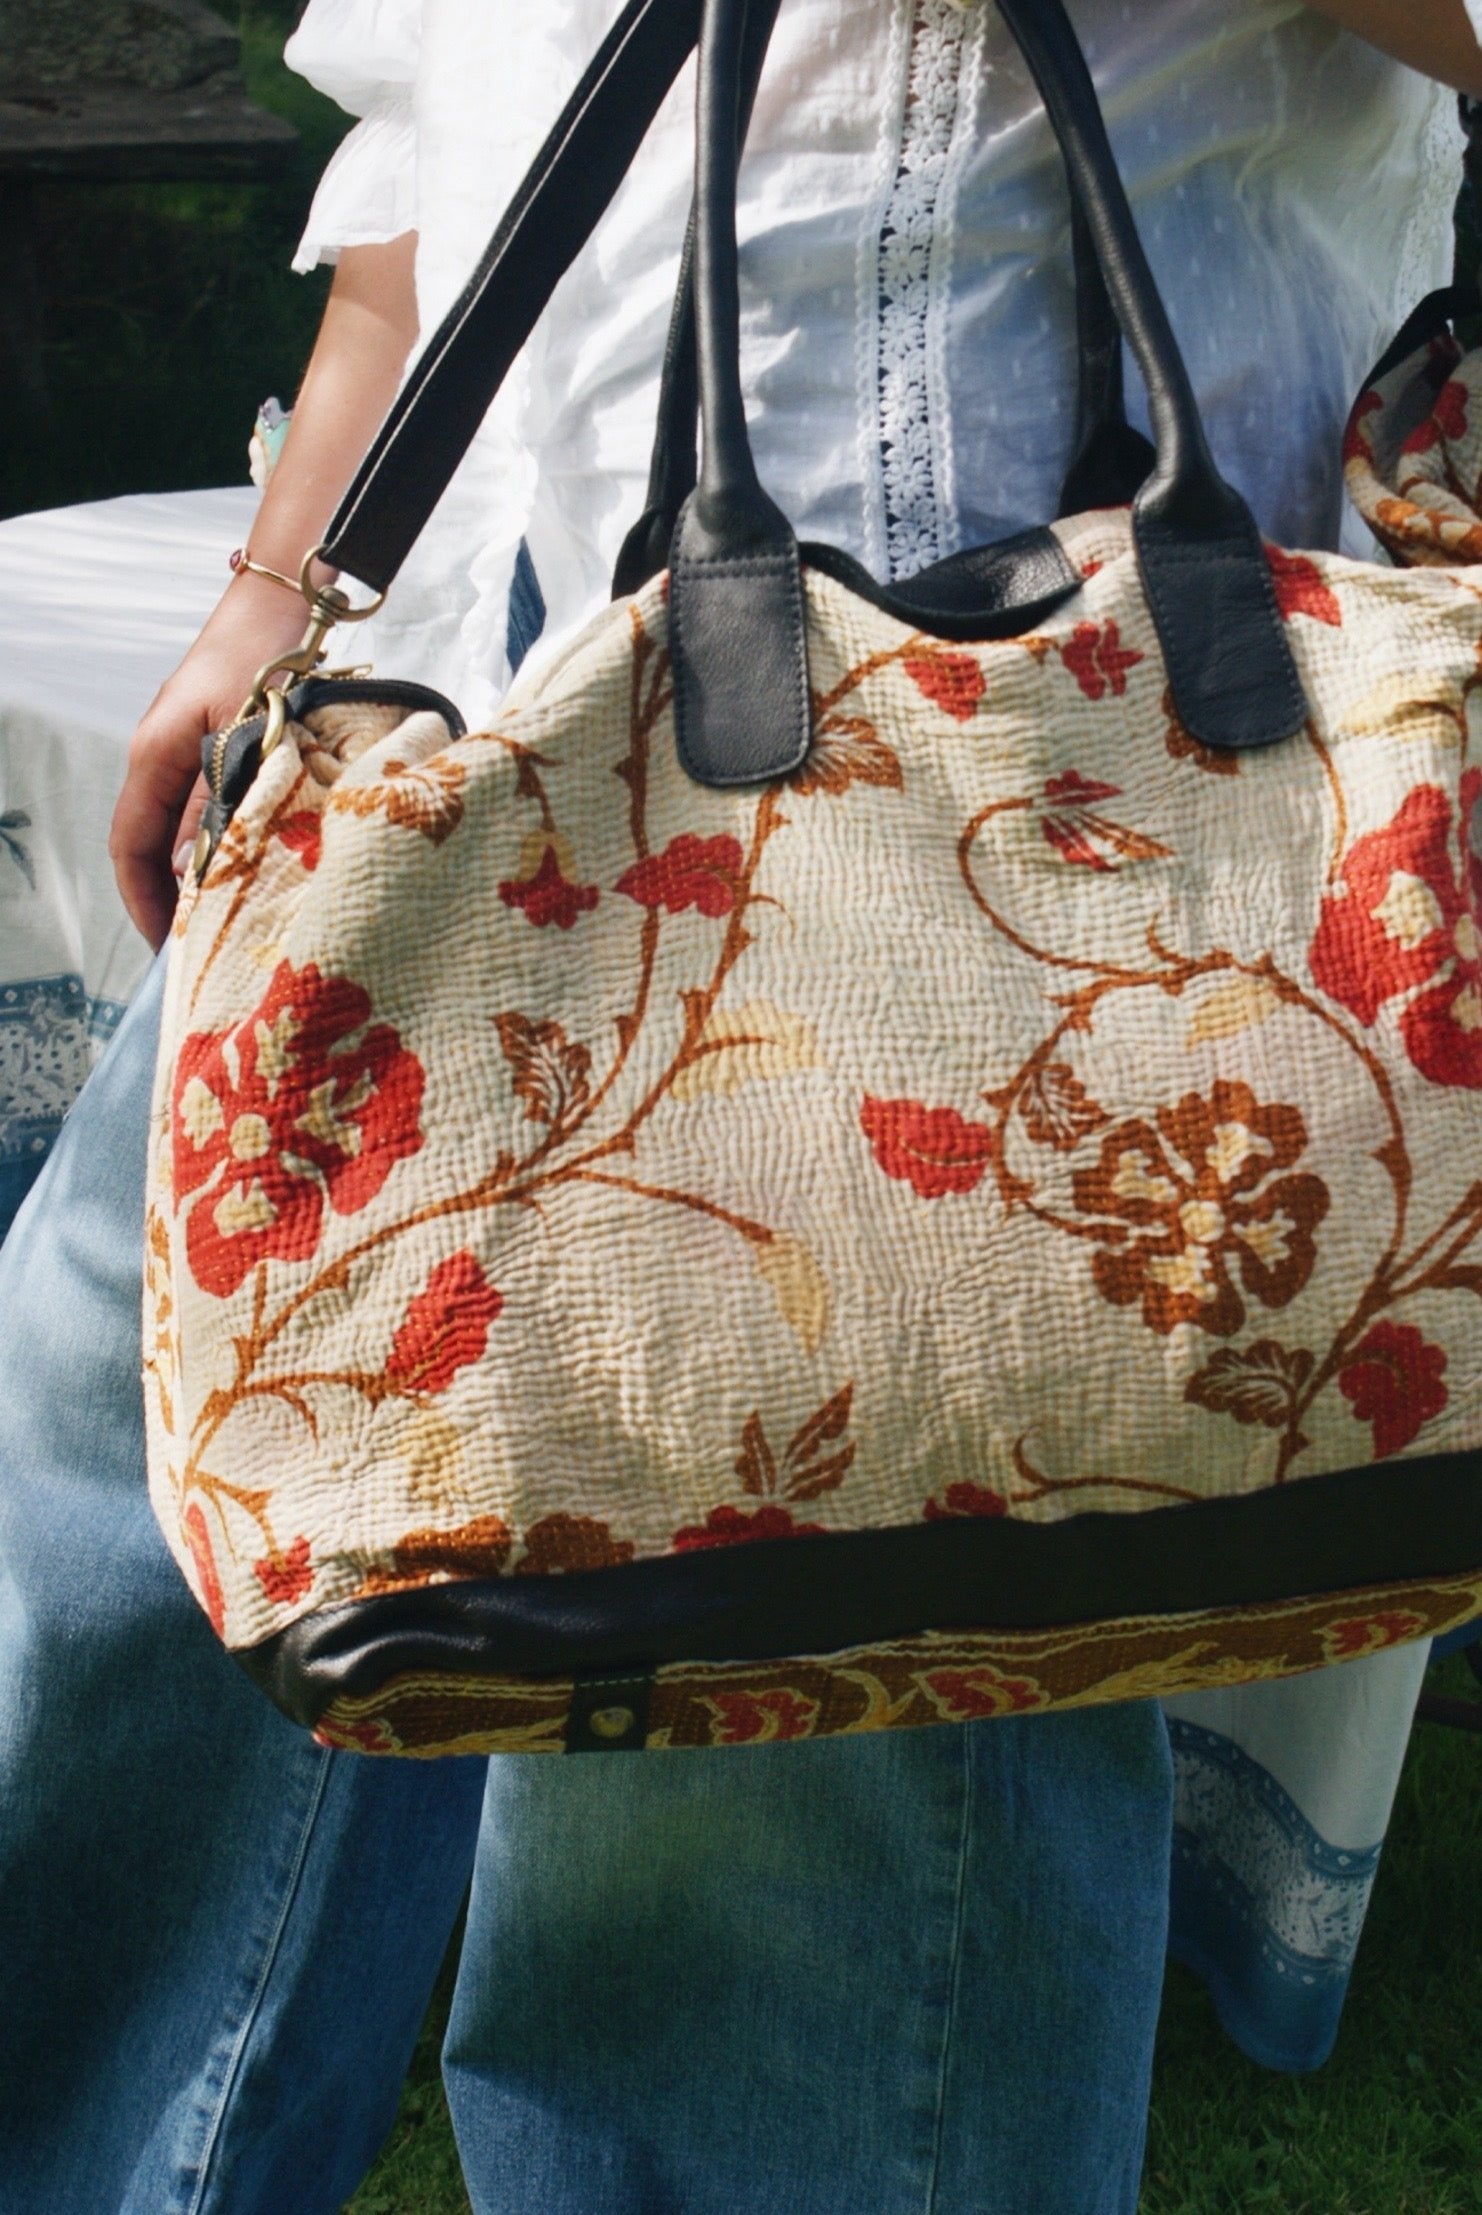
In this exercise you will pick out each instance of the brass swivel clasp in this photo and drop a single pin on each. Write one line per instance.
(328, 607)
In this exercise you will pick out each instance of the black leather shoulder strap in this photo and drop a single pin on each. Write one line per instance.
(464, 363)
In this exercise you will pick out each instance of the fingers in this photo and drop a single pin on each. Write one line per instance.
(190, 824)
(164, 765)
(160, 808)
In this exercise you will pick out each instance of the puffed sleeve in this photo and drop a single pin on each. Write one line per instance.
(363, 55)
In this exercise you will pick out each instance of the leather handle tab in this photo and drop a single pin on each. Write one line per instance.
(737, 624)
(570, 185)
(1234, 683)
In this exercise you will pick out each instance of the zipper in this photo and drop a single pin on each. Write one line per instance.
(216, 767)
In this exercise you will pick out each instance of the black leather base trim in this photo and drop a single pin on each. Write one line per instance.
(988, 592)
(1393, 1523)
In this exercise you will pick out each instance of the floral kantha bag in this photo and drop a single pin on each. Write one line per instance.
(865, 1156)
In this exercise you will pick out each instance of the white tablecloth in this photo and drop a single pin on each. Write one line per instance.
(97, 604)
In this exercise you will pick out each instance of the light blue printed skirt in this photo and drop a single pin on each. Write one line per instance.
(1283, 1795)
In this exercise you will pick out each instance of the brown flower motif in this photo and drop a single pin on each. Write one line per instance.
(425, 796)
(1198, 1198)
(560, 1543)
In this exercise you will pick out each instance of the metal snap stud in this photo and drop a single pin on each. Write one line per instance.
(611, 1722)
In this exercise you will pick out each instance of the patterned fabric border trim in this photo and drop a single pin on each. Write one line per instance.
(1272, 1862)
(51, 1034)
(937, 1678)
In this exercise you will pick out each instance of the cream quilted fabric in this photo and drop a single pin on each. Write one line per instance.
(1025, 1111)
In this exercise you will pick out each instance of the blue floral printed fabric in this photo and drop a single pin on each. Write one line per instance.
(51, 1033)
(1265, 1909)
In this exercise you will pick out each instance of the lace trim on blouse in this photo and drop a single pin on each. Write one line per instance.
(911, 283)
(1430, 224)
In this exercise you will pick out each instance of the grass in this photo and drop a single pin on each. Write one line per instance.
(1392, 2125)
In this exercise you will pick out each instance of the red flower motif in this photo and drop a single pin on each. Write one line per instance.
(734, 1526)
(1300, 589)
(966, 1500)
(934, 1150)
(754, 1718)
(1405, 919)
(1447, 420)
(1078, 834)
(1097, 659)
(703, 873)
(303, 1101)
(194, 1524)
(304, 833)
(1355, 438)
(1392, 1380)
(966, 1695)
(445, 1328)
(549, 896)
(286, 1577)
(954, 682)
(371, 1735)
(1371, 1634)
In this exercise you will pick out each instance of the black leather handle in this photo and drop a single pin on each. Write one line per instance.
(675, 462)
(1203, 563)
(741, 675)
(1110, 461)
(571, 183)
(737, 618)
(1201, 556)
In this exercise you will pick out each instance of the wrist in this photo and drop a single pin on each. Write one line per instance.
(253, 620)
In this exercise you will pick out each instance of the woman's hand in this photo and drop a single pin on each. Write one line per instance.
(1433, 36)
(160, 807)
(369, 328)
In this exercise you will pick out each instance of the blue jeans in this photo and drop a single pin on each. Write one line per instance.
(908, 1975)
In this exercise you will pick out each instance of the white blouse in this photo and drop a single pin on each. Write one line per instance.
(908, 332)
